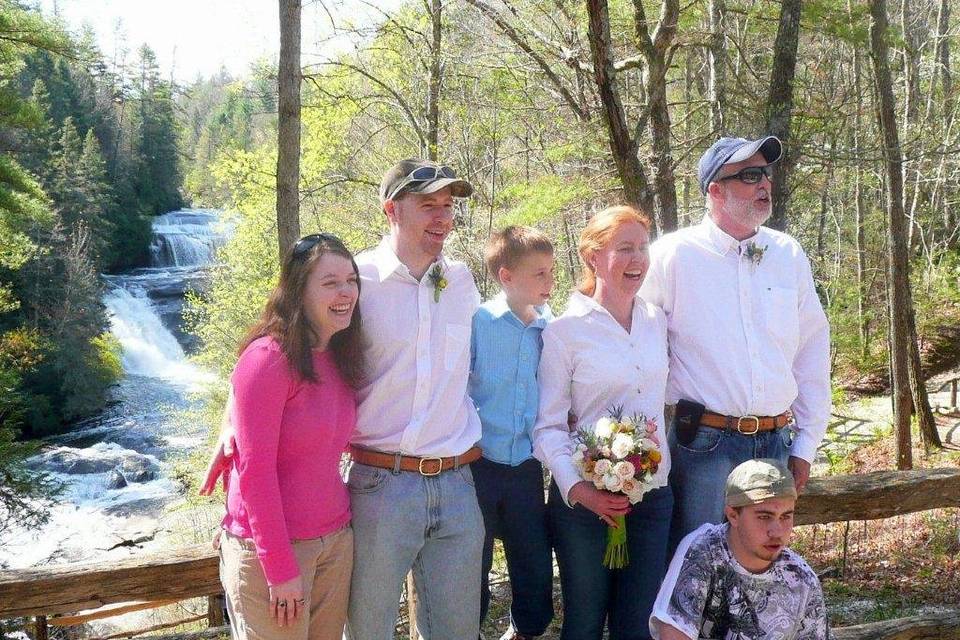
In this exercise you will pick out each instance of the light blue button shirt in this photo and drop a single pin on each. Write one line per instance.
(504, 357)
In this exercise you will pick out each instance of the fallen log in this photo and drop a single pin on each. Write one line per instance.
(177, 574)
(941, 626)
(880, 494)
(191, 572)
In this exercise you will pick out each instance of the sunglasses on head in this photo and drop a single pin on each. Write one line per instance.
(750, 175)
(306, 243)
(422, 174)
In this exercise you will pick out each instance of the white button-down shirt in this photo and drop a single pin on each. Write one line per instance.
(746, 338)
(590, 364)
(418, 358)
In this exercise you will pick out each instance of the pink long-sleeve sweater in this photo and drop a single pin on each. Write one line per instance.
(285, 482)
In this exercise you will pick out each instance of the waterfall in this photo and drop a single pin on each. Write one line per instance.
(185, 238)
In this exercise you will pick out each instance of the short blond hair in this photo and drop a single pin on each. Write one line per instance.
(505, 248)
(601, 227)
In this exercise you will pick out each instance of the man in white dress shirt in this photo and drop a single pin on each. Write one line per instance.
(412, 495)
(749, 341)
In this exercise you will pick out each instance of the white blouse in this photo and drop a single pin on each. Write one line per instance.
(590, 364)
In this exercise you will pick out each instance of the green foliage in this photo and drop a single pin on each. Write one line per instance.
(546, 198)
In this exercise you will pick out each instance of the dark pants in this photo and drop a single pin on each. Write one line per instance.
(511, 500)
(592, 593)
(699, 470)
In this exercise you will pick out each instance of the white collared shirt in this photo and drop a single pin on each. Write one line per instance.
(590, 364)
(418, 358)
(745, 338)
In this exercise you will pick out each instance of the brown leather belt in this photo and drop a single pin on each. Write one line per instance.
(426, 466)
(747, 425)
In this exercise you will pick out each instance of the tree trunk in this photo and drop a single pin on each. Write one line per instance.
(433, 99)
(654, 48)
(623, 144)
(288, 130)
(664, 180)
(780, 105)
(898, 265)
(718, 63)
(860, 209)
(943, 58)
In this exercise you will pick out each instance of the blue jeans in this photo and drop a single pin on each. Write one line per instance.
(431, 524)
(511, 500)
(699, 470)
(593, 594)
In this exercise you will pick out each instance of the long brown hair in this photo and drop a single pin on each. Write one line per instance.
(284, 320)
(597, 233)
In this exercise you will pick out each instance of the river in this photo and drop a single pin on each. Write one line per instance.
(116, 467)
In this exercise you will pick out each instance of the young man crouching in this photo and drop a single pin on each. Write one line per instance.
(738, 580)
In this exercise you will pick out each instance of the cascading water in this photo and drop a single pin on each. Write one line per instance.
(114, 466)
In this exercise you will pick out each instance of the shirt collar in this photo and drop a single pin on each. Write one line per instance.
(500, 308)
(582, 305)
(387, 262)
(721, 240)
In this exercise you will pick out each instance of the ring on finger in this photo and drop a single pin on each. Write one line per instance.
(300, 601)
(282, 603)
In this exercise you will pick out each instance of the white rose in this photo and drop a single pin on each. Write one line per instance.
(629, 485)
(603, 467)
(622, 445)
(612, 482)
(624, 469)
(603, 428)
(598, 481)
(577, 456)
(646, 444)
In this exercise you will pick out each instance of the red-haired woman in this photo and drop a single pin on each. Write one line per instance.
(287, 551)
(608, 349)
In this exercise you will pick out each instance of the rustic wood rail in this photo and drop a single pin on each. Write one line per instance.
(191, 572)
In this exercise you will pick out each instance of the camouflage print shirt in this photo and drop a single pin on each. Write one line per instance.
(708, 595)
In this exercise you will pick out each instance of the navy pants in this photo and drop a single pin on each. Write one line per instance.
(511, 500)
(594, 595)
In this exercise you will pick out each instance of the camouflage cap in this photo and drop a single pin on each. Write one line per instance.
(757, 480)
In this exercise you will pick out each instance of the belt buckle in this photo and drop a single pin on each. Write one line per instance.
(756, 427)
(439, 466)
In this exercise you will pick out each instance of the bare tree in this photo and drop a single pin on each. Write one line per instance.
(288, 129)
(780, 105)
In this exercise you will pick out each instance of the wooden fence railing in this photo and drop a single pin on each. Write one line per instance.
(192, 571)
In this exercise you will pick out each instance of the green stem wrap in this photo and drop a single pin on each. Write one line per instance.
(616, 556)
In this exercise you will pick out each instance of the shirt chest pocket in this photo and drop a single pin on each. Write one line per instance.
(782, 316)
(455, 346)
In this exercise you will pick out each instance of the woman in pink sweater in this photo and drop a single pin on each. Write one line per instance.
(287, 551)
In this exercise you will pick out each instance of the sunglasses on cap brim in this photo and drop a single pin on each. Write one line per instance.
(422, 174)
(306, 243)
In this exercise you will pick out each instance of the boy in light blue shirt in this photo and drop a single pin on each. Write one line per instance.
(505, 354)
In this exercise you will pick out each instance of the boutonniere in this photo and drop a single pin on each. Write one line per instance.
(754, 253)
(439, 282)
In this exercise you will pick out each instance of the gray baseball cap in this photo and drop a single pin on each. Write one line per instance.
(757, 480)
(415, 175)
(730, 150)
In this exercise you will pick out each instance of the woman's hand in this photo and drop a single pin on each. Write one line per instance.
(286, 601)
(219, 464)
(603, 503)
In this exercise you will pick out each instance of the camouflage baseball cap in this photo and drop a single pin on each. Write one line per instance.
(415, 175)
(758, 480)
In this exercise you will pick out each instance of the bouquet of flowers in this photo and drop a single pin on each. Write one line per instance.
(619, 454)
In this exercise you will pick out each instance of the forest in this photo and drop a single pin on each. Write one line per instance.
(553, 109)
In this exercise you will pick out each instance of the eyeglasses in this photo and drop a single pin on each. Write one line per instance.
(750, 175)
(306, 243)
(422, 174)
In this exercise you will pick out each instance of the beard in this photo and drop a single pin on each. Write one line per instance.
(750, 212)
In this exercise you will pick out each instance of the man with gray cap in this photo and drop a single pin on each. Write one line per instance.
(749, 342)
(738, 579)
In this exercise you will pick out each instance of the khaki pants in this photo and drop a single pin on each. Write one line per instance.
(325, 567)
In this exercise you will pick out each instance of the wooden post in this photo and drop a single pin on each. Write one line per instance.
(215, 611)
(40, 628)
(412, 607)
(953, 393)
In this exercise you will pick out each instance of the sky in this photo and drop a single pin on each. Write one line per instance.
(192, 37)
